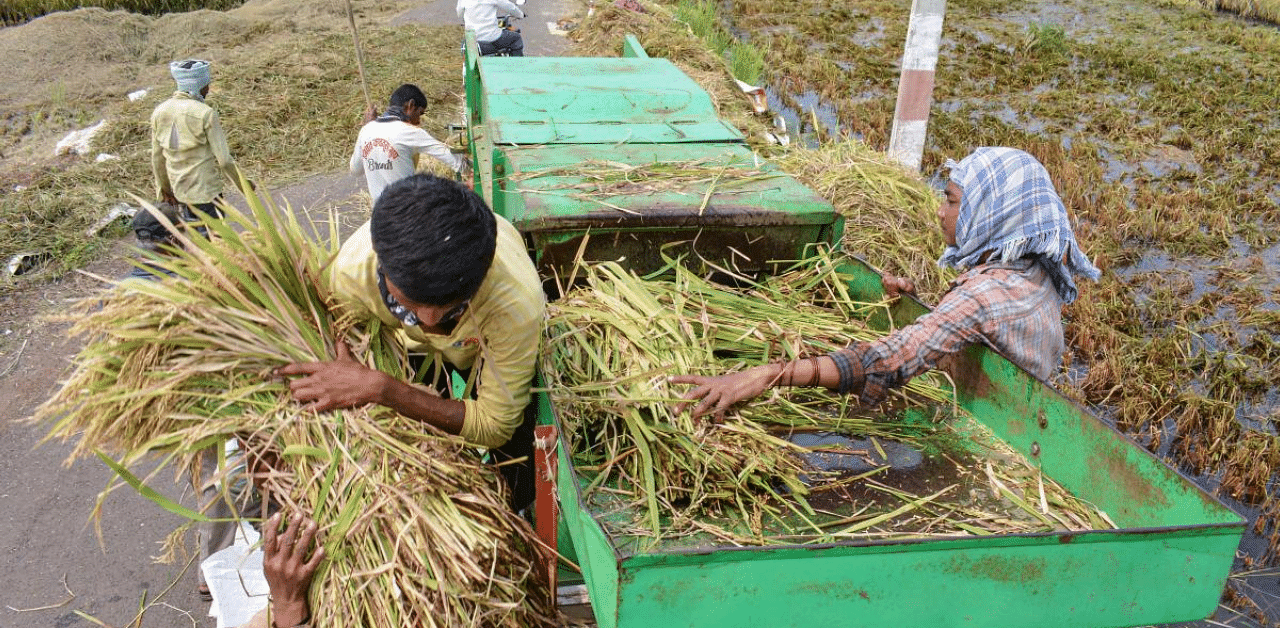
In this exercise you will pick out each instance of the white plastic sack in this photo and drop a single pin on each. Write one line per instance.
(78, 141)
(235, 579)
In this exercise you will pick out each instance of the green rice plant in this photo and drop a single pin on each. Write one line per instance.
(416, 527)
(746, 62)
(704, 20)
(1046, 41)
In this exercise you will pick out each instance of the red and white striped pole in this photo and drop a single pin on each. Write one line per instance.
(915, 86)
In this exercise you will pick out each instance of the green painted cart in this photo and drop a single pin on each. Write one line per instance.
(1167, 562)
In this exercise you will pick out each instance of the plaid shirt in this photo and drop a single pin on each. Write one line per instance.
(1011, 307)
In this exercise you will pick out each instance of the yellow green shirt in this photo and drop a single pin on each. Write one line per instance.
(497, 337)
(189, 153)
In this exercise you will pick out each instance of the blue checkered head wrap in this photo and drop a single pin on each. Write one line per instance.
(1009, 206)
(192, 75)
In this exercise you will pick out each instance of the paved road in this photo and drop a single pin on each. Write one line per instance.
(541, 17)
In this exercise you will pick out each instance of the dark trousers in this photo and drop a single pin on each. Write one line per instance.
(518, 475)
(205, 210)
(509, 41)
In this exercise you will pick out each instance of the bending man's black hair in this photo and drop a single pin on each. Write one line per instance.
(434, 239)
(406, 93)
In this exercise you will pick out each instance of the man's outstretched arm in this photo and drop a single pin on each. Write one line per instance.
(346, 383)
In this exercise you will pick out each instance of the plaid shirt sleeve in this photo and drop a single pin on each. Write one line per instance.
(1011, 308)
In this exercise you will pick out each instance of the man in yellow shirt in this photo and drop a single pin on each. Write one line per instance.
(457, 282)
(189, 153)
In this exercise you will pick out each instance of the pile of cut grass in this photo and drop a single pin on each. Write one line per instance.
(612, 345)
(1268, 10)
(18, 11)
(890, 214)
(416, 527)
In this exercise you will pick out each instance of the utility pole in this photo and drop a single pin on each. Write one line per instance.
(915, 85)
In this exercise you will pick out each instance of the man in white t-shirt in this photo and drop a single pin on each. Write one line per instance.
(481, 16)
(388, 145)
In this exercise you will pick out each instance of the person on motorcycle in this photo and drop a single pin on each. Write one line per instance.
(481, 16)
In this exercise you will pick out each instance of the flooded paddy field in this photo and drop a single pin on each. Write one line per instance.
(1158, 123)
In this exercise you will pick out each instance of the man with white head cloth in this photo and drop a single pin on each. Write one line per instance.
(189, 153)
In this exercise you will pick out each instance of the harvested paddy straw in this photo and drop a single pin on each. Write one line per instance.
(658, 477)
(596, 180)
(416, 527)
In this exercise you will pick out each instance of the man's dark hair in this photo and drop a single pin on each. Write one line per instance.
(434, 239)
(406, 93)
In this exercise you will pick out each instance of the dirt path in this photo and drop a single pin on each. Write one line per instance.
(43, 530)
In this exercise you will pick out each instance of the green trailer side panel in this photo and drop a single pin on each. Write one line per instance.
(631, 47)
(1131, 485)
(1112, 581)
(555, 100)
(591, 547)
(744, 213)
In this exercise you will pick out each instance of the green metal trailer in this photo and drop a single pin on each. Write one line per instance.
(1167, 562)
(538, 126)
(534, 122)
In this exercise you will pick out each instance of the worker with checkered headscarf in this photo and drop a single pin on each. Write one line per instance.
(1006, 227)
(189, 153)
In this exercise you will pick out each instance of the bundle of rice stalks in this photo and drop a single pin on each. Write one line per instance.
(890, 213)
(416, 527)
(661, 477)
(611, 178)
(613, 343)
(611, 347)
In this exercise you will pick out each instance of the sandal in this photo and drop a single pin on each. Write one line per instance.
(204, 593)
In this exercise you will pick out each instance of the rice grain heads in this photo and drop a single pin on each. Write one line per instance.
(416, 526)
